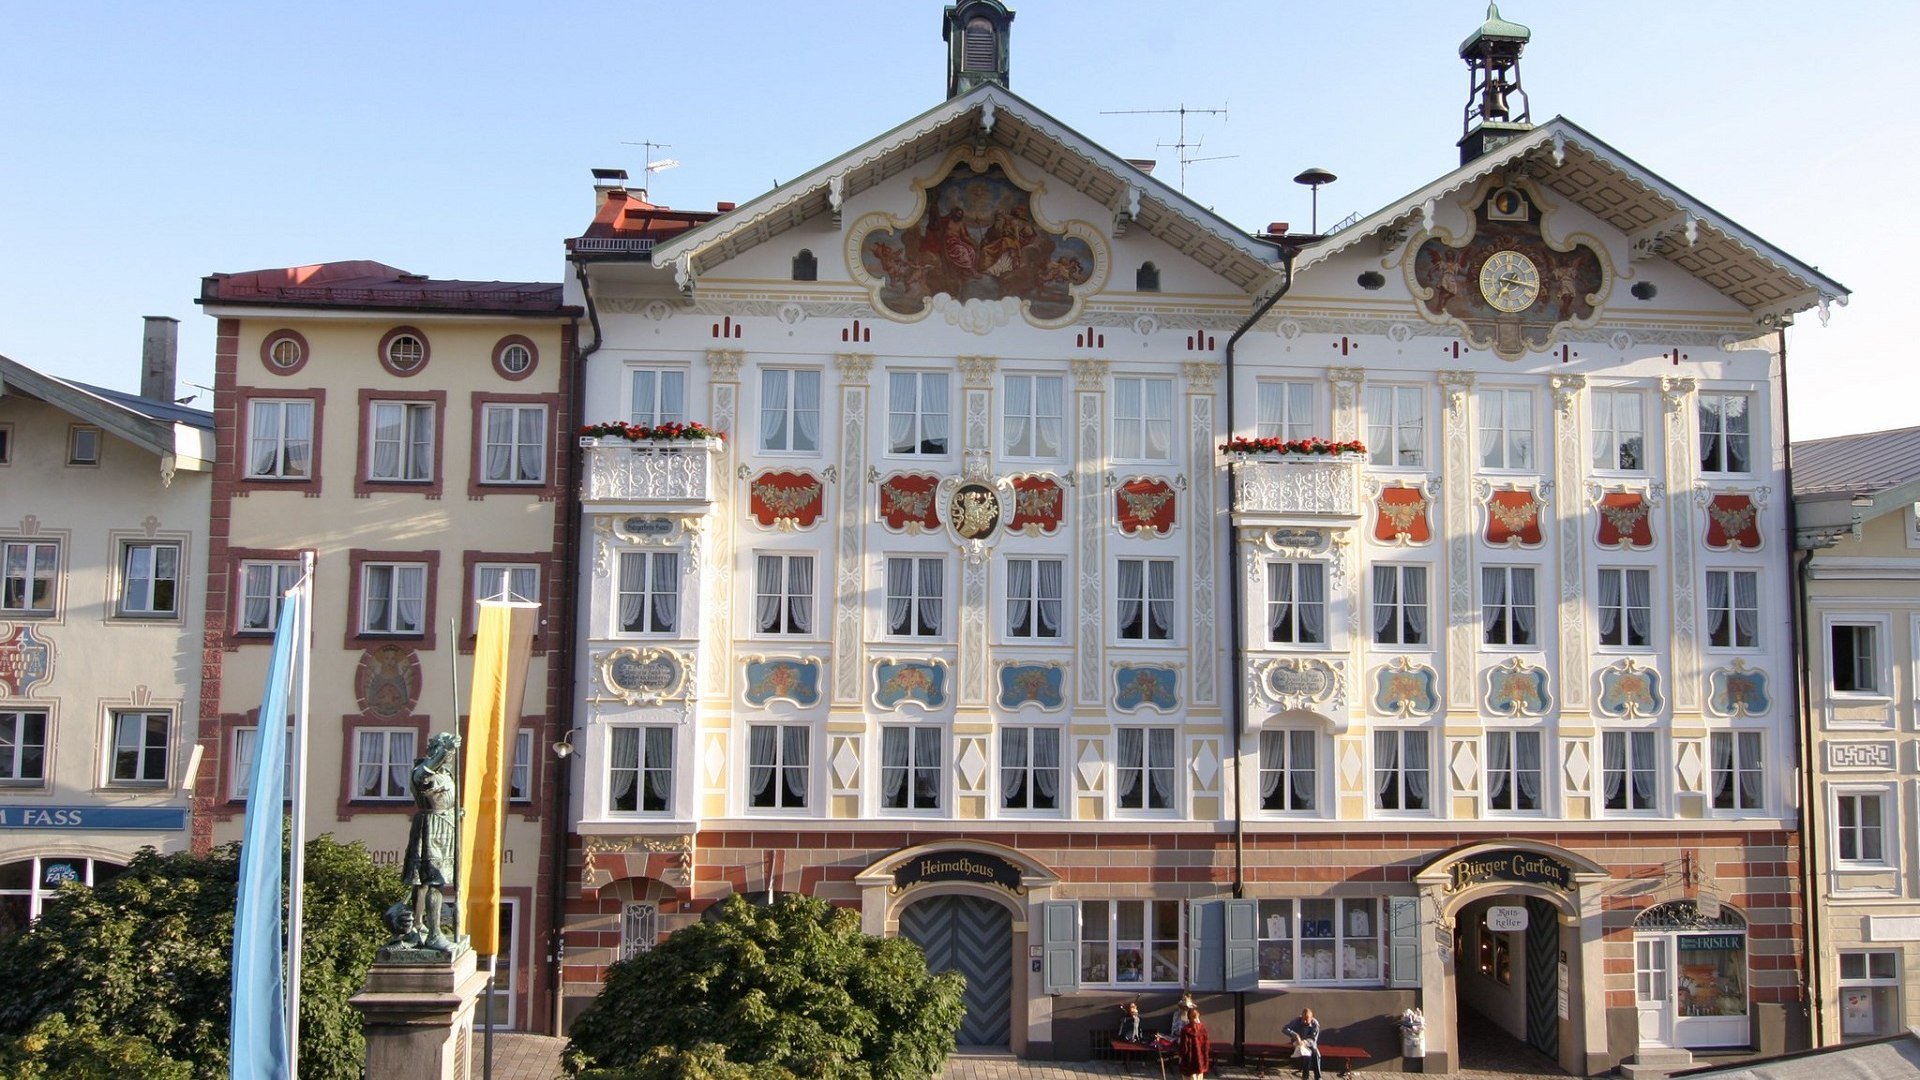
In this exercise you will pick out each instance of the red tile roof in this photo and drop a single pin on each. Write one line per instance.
(626, 223)
(362, 283)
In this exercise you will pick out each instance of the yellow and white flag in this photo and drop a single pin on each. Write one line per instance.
(500, 653)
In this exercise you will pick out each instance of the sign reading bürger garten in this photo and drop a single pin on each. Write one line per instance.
(1526, 867)
(973, 866)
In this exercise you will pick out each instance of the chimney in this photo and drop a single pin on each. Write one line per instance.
(159, 358)
(605, 183)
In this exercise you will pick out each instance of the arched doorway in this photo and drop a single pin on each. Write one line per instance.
(973, 936)
(1506, 971)
(1690, 977)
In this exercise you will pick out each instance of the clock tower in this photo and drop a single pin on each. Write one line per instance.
(1496, 111)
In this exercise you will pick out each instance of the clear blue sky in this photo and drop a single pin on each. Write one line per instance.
(145, 145)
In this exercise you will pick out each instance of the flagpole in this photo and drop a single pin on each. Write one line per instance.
(297, 877)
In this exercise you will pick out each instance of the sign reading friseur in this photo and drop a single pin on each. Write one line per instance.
(1526, 867)
(972, 866)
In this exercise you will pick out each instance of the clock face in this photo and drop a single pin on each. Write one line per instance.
(1509, 281)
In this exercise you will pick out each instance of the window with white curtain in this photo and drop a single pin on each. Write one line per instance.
(150, 580)
(1143, 768)
(1739, 770)
(1853, 658)
(790, 410)
(1034, 593)
(513, 447)
(263, 584)
(1624, 607)
(520, 772)
(1283, 409)
(1513, 772)
(1399, 604)
(640, 770)
(140, 739)
(31, 571)
(1131, 942)
(777, 766)
(1397, 426)
(649, 594)
(1506, 429)
(1033, 416)
(1629, 771)
(1142, 419)
(918, 408)
(783, 594)
(23, 746)
(1029, 768)
(639, 928)
(393, 598)
(1145, 589)
(656, 396)
(279, 440)
(1297, 603)
(400, 441)
(1402, 770)
(1288, 770)
(1507, 610)
(916, 589)
(1726, 432)
(1619, 430)
(1733, 609)
(1860, 827)
(382, 763)
(517, 582)
(909, 768)
(240, 769)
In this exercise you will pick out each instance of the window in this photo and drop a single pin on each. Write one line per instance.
(1506, 605)
(649, 592)
(1733, 609)
(910, 768)
(401, 439)
(1287, 770)
(1629, 770)
(1147, 278)
(1513, 772)
(30, 569)
(513, 447)
(262, 586)
(393, 598)
(520, 773)
(981, 48)
(27, 885)
(640, 770)
(639, 928)
(783, 591)
(1726, 439)
(1029, 768)
(1034, 421)
(23, 746)
(150, 579)
(1296, 603)
(1860, 827)
(514, 357)
(1506, 429)
(916, 412)
(1870, 995)
(83, 445)
(284, 351)
(1283, 410)
(914, 594)
(1142, 419)
(1396, 426)
(240, 777)
(382, 763)
(1146, 599)
(790, 411)
(1619, 431)
(1852, 658)
(1130, 941)
(1401, 773)
(777, 766)
(404, 351)
(805, 266)
(1330, 941)
(518, 582)
(658, 396)
(1399, 605)
(140, 747)
(1034, 597)
(6, 444)
(280, 440)
(1625, 607)
(1144, 771)
(1739, 775)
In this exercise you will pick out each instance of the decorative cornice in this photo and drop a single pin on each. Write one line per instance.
(1089, 374)
(725, 363)
(1566, 391)
(1200, 375)
(1454, 386)
(978, 370)
(854, 367)
(1675, 390)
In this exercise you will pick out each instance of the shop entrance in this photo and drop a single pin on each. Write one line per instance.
(1690, 977)
(1507, 967)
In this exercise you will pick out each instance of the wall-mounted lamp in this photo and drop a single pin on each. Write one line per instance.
(564, 748)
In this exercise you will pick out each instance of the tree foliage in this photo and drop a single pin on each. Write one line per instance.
(792, 989)
(150, 953)
(57, 1050)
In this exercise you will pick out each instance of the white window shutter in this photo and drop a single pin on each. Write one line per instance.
(1206, 945)
(1242, 944)
(1062, 947)
(1403, 941)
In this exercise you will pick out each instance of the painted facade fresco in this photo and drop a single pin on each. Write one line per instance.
(1566, 285)
(1626, 520)
(1738, 690)
(897, 682)
(1145, 504)
(1405, 689)
(1038, 506)
(25, 661)
(1402, 515)
(787, 500)
(1041, 684)
(1733, 522)
(1517, 688)
(907, 503)
(797, 681)
(1627, 689)
(1135, 687)
(1513, 519)
(387, 682)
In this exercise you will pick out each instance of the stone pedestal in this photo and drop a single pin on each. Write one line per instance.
(418, 1018)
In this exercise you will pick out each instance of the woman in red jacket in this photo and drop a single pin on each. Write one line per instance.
(1195, 1051)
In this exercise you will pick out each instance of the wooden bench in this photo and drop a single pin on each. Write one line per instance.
(1130, 1052)
(1268, 1055)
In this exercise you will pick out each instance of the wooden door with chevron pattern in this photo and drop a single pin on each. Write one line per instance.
(1543, 976)
(973, 936)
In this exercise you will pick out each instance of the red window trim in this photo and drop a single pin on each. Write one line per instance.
(426, 351)
(363, 485)
(500, 348)
(549, 566)
(356, 559)
(243, 399)
(352, 724)
(477, 487)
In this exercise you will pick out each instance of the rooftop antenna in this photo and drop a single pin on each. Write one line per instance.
(653, 164)
(1181, 146)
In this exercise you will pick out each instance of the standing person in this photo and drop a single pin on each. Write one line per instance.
(1195, 1050)
(1306, 1035)
(1179, 1015)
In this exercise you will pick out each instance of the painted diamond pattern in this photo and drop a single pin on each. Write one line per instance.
(1465, 768)
(846, 763)
(1350, 766)
(1091, 766)
(714, 760)
(1690, 766)
(1579, 765)
(1206, 766)
(972, 762)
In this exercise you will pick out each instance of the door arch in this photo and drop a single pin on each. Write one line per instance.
(972, 935)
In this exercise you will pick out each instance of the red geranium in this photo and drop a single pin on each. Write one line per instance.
(1271, 445)
(692, 431)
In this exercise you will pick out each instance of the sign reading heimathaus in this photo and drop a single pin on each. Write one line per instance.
(971, 866)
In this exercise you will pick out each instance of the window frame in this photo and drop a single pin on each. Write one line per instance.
(1732, 610)
(790, 412)
(1399, 606)
(1029, 734)
(1739, 766)
(1887, 830)
(1286, 425)
(240, 773)
(281, 474)
(1294, 943)
(393, 597)
(358, 561)
(910, 791)
(247, 400)
(355, 762)
(648, 594)
(1385, 444)
(270, 347)
(144, 753)
(1721, 455)
(1544, 770)
(1612, 428)
(917, 447)
(1880, 628)
(1143, 423)
(1291, 571)
(123, 592)
(56, 577)
(785, 623)
(390, 343)
(1623, 611)
(553, 459)
(1033, 417)
(1508, 622)
(916, 565)
(476, 562)
(514, 446)
(1147, 600)
(1035, 600)
(1502, 432)
(660, 374)
(16, 748)
(521, 774)
(1402, 736)
(1288, 738)
(643, 768)
(504, 348)
(1146, 944)
(6, 444)
(1147, 768)
(1634, 743)
(432, 406)
(1866, 980)
(287, 563)
(781, 767)
(78, 435)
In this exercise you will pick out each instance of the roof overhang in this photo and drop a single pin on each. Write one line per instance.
(179, 446)
(1659, 220)
(1826, 511)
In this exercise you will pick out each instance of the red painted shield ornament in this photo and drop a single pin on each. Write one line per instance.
(1513, 518)
(1038, 505)
(1733, 522)
(1625, 520)
(786, 500)
(907, 503)
(1145, 504)
(1401, 515)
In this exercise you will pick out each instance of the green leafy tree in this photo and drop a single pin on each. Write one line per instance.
(57, 1050)
(150, 952)
(794, 987)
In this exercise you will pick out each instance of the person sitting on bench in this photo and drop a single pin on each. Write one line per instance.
(1306, 1037)
(1130, 1029)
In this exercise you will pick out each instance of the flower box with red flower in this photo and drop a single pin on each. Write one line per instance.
(661, 467)
(1276, 481)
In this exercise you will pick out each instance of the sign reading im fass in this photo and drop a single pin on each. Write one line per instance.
(119, 818)
(974, 866)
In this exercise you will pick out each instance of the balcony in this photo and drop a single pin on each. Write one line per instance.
(657, 475)
(1276, 489)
